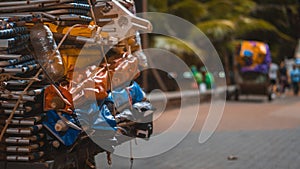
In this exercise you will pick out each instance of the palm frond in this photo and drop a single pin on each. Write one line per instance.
(190, 10)
(252, 26)
(171, 44)
(217, 30)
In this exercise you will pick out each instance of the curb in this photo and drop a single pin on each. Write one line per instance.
(189, 94)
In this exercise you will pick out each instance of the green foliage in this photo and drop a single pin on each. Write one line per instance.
(171, 44)
(217, 30)
(190, 10)
(250, 25)
(277, 2)
(182, 50)
(224, 21)
(158, 5)
(226, 9)
(277, 15)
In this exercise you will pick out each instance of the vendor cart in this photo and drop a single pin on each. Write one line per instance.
(252, 62)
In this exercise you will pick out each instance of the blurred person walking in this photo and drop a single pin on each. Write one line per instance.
(197, 75)
(273, 75)
(283, 77)
(295, 78)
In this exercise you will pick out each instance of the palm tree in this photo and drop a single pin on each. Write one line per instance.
(226, 21)
(285, 16)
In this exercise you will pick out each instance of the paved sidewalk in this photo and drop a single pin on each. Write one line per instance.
(278, 149)
(267, 138)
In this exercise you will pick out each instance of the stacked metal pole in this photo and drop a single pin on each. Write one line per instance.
(23, 139)
(26, 138)
(66, 11)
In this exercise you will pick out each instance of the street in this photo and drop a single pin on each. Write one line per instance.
(253, 134)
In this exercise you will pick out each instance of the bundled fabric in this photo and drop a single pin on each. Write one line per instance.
(125, 97)
(254, 56)
(100, 116)
(134, 114)
(142, 114)
(58, 98)
(95, 85)
(123, 70)
(96, 117)
(67, 135)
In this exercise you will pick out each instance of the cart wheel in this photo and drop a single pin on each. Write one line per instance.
(270, 96)
(228, 95)
(236, 95)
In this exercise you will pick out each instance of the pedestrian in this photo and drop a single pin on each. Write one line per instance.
(208, 78)
(273, 76)
(295, 78)
(197, 75)
(283, 77)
